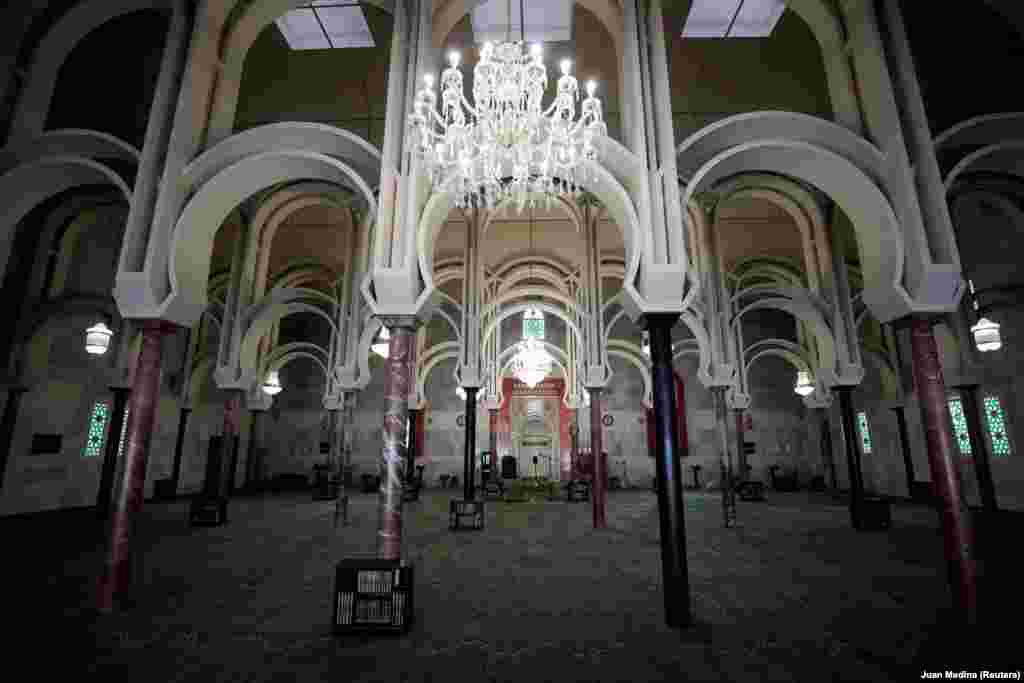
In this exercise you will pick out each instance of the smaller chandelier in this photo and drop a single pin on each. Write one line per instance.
(804, 386)
(97, 339)
(986, 335)
(532, 363)
(272, 385)
(383, 345)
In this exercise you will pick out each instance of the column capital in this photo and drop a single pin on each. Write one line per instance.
(658, 319)
(410, 322)
(158, 325)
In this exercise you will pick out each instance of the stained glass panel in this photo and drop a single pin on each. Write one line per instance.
(996, 421)
(956, 414)
(533, 325)
(97, 430)
(865, 434)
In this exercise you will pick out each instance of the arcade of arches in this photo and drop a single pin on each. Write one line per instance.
(823, 202)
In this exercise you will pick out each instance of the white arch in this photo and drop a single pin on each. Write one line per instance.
(238, 37)
(520, 308)
(604, 186)
(980, 130)
(54, 49)
(192, 242)
(1007, 157)
(634, 355)
(75, 142)
(879, 236)
(28, 185)
(816, 323)
(262, 323)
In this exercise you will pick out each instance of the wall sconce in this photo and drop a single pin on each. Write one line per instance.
(645, 343)
(97, 339)
(272, 385)
(986, 335)
(803, 386)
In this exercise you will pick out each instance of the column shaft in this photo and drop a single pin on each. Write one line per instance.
(7, 425)
(725, 462)
(597, 498)
(826, 447)
(469, 454)
(106, 493)
(492, 417)
(908, 461)
(852, 453)
(179, 444)
(959, 542)
(741, 455)
(142, 416)
(411, 453)
(252, 466)
(229, 446)
(398, 374)
(668, 472)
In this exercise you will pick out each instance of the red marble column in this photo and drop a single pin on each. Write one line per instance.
(953, 515)
(397, 379)
(492, 424)
(596, 449)
(229, 449)
(574, 445)
(142, 410)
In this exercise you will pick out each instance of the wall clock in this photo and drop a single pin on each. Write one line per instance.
(607, 420)
(461, 420)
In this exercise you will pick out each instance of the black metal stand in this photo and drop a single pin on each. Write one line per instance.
(373, 596)
(466, 515)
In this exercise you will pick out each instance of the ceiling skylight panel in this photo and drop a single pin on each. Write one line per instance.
(710, 18)
(345, 25)
(302, 31)
(546, 21)
(757, 18)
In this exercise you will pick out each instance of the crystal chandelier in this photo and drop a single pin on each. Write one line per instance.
(532, 363)
(504, 145)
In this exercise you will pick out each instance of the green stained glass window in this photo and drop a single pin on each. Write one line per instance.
(996, 421)
(865, 433)
(533, 325)
(97, 430)
(956, 414)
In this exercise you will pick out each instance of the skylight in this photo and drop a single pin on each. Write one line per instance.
(733, 18)
(546, 21)
(326, 24)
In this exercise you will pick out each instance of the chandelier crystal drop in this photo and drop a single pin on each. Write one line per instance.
(504, 145)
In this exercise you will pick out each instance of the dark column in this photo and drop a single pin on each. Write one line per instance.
(597, 498)
(741, 456)
(252, 471)
(492, 418)
(7, 425)
(397, 380)
(849, 424)
(959, 541)
(229, 446)
(179, 444)
(826, 447)
(721, 426)
(469, 469)
(982, 470)
(106, 493)
(411, 453)
(668, 473)
(908, 461)
(142, 415)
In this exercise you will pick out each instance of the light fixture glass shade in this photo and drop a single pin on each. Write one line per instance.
(383, 344)
(804, 386)
(97, 339)
(645, 344)
(272, 385)
(986, 335)
(532, 363)
(460, 392)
